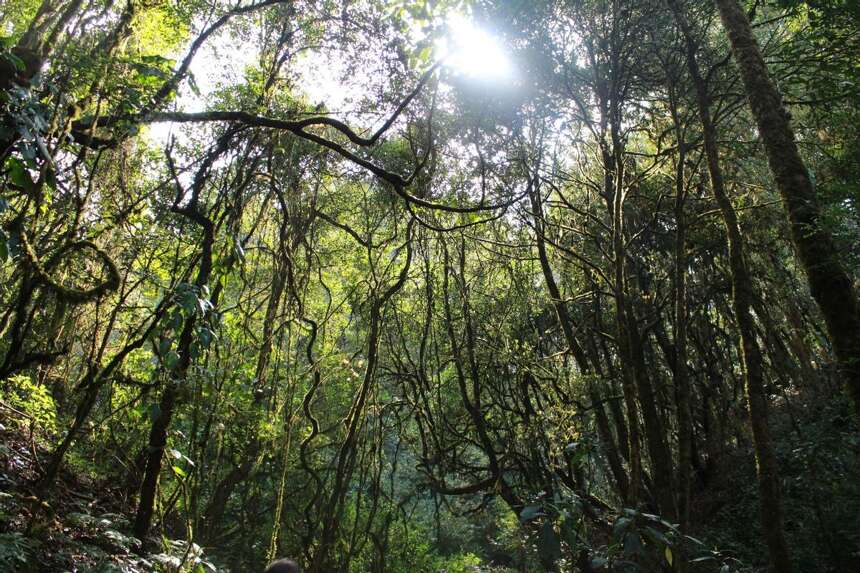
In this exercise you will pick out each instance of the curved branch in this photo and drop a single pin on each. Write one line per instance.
(70, 294)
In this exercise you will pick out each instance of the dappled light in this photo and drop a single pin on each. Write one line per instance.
(425, 286)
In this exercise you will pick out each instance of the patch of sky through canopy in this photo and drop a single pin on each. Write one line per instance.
(473, 51)
(468, 51)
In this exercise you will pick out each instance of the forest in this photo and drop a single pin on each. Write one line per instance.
(420, 286)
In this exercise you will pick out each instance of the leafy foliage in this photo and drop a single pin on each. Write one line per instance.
(277, 278)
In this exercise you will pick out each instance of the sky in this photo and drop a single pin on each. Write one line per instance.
(468, 51)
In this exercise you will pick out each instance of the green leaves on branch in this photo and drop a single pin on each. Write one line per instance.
(638, 536)
(190, 302)
(192, 299)
(19, 176)
(531, 512)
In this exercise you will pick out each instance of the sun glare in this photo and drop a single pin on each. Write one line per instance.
(473, 52)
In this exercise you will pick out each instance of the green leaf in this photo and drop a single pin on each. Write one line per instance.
(19, 175)
(531, 512)
(424, 54)
(179, 471)
(621, 526)
(171, 360)
(669, 557)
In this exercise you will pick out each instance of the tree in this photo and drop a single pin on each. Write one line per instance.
(283, 278)
(830, 284)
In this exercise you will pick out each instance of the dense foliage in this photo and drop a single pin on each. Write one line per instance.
(277, 278)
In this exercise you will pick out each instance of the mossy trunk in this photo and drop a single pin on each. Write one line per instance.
(830, 284)
(743, 296)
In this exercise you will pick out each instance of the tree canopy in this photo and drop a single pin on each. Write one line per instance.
(430, 285)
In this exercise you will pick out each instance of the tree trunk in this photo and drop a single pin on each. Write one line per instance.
(679, 367)
(830, 284)
(580, 357)
(637, 384)
(742, 296)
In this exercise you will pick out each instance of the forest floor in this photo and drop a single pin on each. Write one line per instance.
(82, 523)
(77, 527)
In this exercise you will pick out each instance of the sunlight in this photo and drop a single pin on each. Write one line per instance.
(473, 52)
(210, 71)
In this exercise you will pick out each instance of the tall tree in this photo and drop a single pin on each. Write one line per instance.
(743, 296)
(830, 284)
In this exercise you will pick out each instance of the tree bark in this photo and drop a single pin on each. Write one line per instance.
(158, 432)
(829, 282)
(580, 356)
(679, 370)
(742, 298)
